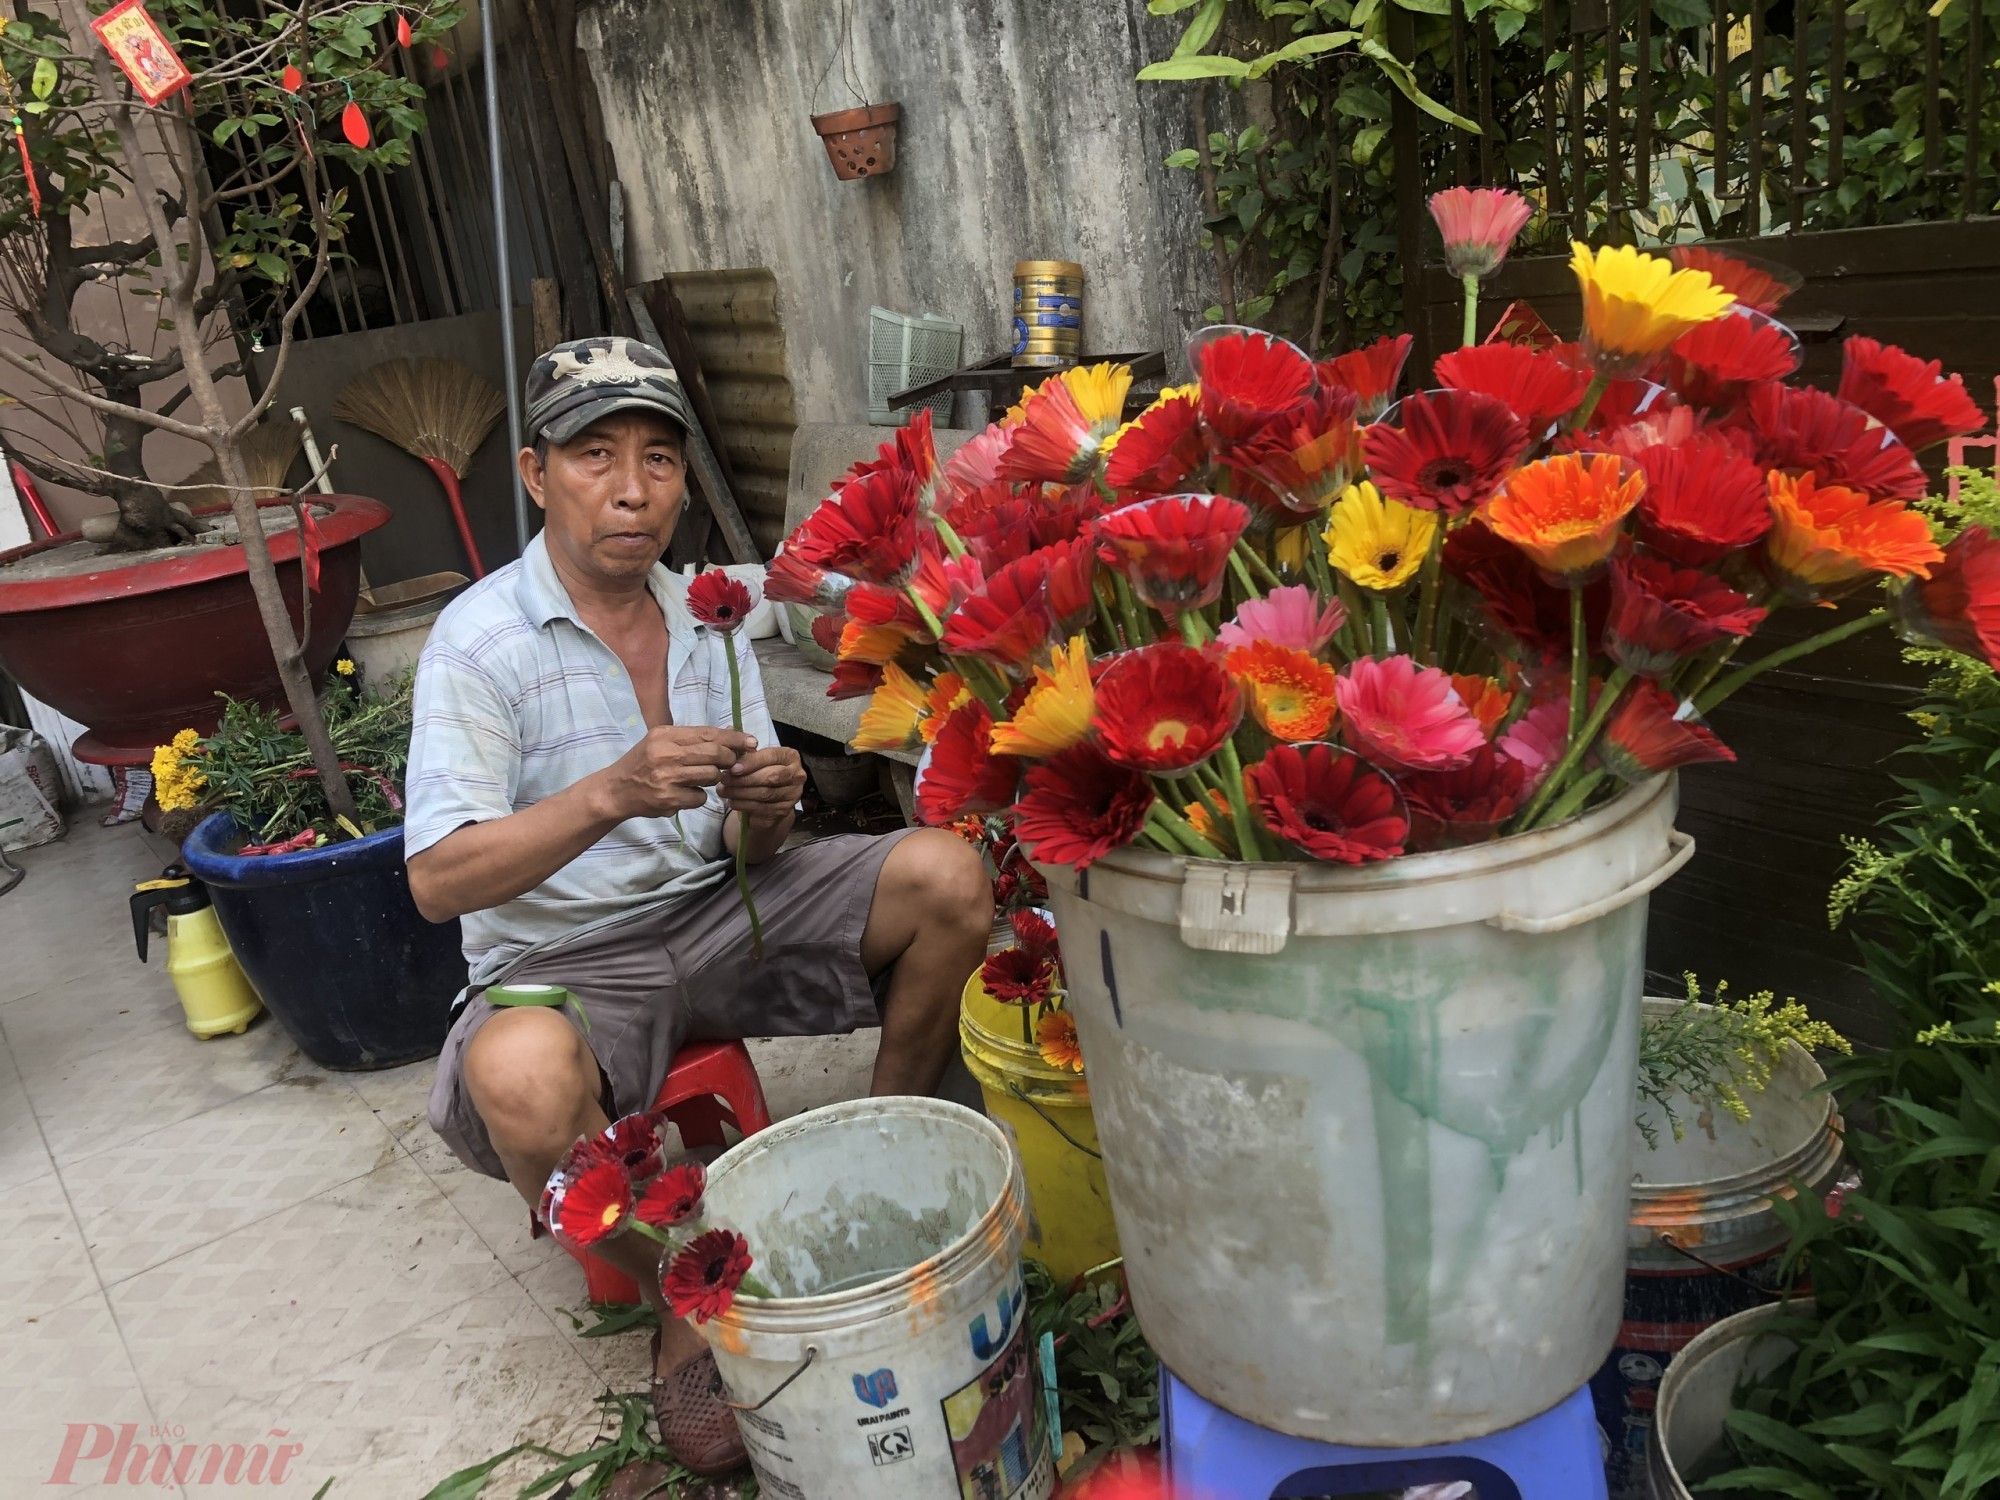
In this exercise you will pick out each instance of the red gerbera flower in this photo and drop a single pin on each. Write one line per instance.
(867, 530)
(1396, 711)
(587, 1197)
(1066, 515)
(1713, 364)
(1450, 808)
(1911, 397)
(1159, 450)
(1328, 803)
(854, 679)
(636, 1140)
(1173, 549)
(1248, 380)
(674, 1196)
(826, 632)
(999, 535)
(790, 579)
(1019, 976)
(1305, 458)
(1958, 606)
(1054, 441)
(1165, 708)
(720, 602)
(1537, 385)
(1661, 614)
(1514, 597)
(961, 774)
(701, 1281)
(1704, 498)
(1006, 620)
(1078, 807)
(1036, 933)
(1644, 736)
(1448, 451)
(1371, 373)
(975, 465)
(1624, 403)
(1754, 283)
(1800, 429)
(1072, 581)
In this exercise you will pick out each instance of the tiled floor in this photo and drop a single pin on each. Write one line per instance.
(219, 1242)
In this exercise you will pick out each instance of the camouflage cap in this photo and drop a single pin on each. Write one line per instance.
(574, 384)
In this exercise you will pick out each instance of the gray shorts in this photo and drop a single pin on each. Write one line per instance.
(651, 981)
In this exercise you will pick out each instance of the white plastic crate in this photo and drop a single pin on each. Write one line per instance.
(904, 351)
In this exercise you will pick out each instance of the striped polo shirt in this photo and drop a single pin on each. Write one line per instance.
(516, 700)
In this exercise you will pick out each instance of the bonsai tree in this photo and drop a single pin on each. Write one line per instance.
(232, 175)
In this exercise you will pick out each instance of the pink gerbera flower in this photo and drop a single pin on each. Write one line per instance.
(1537, 738)
(1290, 616)
(1478, 225)
(1399, 713)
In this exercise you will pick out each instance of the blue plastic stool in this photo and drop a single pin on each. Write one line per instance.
(1212, 1455)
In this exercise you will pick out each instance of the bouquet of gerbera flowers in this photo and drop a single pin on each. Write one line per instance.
(1030, 975)
(618, 1182)
(1280, 615)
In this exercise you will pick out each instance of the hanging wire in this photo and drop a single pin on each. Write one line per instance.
(843, 52)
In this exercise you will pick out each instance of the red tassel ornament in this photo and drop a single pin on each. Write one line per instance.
(403, 37)
(292, 79)
(354, 125)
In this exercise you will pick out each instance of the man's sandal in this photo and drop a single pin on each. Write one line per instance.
(694, 1423)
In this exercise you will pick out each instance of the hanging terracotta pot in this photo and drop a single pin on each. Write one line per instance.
(860, 142)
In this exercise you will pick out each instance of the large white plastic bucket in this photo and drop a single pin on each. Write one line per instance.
(897, 1344)
(1367, 1130)
(1699, 1391)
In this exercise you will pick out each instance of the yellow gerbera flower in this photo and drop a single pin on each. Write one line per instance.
(1635, 305)
(1056, 713)
(890, 722)
(1288, 548)
(876, 645)
(1099, 391)
(947, 692)
(1378, 543)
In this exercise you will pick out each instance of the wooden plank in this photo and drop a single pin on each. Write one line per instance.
(545, 294)
(702, 461)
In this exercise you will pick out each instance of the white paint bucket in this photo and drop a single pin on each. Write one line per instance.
(895, 1360)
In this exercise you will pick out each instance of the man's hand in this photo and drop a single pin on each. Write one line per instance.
(671, 770)
(763, 786)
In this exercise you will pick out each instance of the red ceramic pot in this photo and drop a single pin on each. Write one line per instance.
(138, 650)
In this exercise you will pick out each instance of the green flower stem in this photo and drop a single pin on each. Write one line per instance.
(1182, 832)
(1250, 589)
(1430, 581)
(742, 833)
(1703, 675)
(1352, 629)
(1254, 560)
(1572, 799)
(952, 543)
(1136, 633)
(1594, 393)
(1579, 665)
(1194, 629)
(1742, 675)
(751, 1286)
(1579, 743)
(1114, 639)
(1378, 625)
(931, 622)
(1239, 807)
(1471, 284)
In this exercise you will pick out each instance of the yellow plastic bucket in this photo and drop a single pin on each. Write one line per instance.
(1047, 1110)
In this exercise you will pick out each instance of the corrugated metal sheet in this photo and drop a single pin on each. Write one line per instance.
(732, 316)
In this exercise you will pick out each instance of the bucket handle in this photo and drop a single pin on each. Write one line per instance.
(812, 1353)
(1682, 847)
(1015, 1089)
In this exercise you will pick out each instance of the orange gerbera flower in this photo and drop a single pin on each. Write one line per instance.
(1209, 817)
(1483, 698)
(1290, 693)
(1055, 1034)
(877, 645)
(1566, 511)
(1824, 535)
(947, 692)
(894, 716)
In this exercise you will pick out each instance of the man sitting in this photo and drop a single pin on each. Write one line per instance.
(573, 799)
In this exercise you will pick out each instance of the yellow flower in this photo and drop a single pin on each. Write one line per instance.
(1378, 543)
(1099, 391)
(1288, 548)
(890, 722)
(1055, 1035)
(345, 667)
(177, 781)
(875, 645)
(1635, 305)
(1191, 392)
(1290, 692)
(1056, 713)
(947, 692)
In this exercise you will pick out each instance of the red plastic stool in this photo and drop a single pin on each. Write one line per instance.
(709, 1085)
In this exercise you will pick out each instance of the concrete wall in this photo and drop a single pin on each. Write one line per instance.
(1023, 137)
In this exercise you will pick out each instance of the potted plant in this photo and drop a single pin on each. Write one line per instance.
(223, 140)
(1342, 735)
(1879, 1386)
(316, 903)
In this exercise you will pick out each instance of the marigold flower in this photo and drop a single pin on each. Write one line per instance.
(1958, 606)
(1165, 708)
(1478, 225)
(1825, 535)
(960, 774)
(1396, 712)
(1450, 808)
(1291, 693)
(1056, 713)
(1911, 397)
(1019, 976)
(1077, 807)
(1378, 543)
(1248, 379)
(1645, 736)
(1447, 450)
(1635, 305)
(1537, 385)
(177, 778)
(717, 600)
(673, 1197)
(1055, 1036)
(1290, 616)
(1173, 549)
(345, 666)
(1158, 449)
(1371, 373)
(1661, 615)
(891, 720)
(1486, 700)
(1327, 803)
(1799, 429)
(1704, 499)
(701, 1282)
(1566, 511)
(587, 1196)
(1713, 365)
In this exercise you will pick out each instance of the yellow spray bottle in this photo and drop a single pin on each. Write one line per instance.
(213, 991)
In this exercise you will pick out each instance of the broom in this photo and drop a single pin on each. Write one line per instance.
(267, 452)
(433, 409)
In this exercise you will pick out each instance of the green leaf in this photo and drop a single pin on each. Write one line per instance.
(43, 82)
(1683, 12)
(467, 1484)
(34, 106)
(1169, 7)
(1181, 69)
(226, 129)
(1304, 47)
(1185, 158)
(1201, 30)
(1405, 80)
